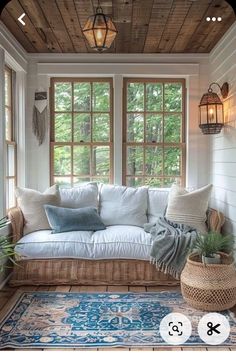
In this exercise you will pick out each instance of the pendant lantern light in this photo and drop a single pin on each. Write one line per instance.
(99, 30)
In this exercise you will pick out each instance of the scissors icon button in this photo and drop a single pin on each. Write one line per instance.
(212, 328)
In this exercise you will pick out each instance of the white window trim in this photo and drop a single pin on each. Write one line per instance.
(7, 59)
(2, 136)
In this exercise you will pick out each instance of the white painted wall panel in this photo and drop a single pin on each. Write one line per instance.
(224, 154)
(224, 195)
(228, 210)
(224, 168)
(226, 182)
(226, 141)
(223, 146)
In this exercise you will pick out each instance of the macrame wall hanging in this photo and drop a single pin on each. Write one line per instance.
(40, 115)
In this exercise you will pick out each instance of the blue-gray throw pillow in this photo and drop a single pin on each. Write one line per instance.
(73, 219)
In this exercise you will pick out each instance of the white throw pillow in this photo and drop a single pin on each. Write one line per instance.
(31, 203)
(189, 207)
(157, 202)
(85, 195)
(123, 205)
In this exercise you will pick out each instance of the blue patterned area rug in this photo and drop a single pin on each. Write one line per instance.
(76, 320)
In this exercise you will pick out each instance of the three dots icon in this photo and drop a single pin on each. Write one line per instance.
(213, 18)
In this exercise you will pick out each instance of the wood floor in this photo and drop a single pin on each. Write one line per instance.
(7, 292)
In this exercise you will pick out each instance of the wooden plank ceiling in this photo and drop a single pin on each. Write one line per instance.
(144, 26)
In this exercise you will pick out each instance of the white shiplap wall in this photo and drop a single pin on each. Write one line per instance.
(223, 146)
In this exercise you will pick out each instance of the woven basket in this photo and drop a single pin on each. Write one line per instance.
(210, 287)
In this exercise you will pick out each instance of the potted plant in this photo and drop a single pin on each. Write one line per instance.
(6, 248)
(210, 287)
(209, 245)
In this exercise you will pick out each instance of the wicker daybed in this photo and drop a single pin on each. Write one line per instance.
(90, 272)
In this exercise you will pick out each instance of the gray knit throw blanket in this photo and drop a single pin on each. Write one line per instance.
(170, 245)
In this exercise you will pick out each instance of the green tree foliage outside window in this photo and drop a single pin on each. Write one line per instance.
(81, 142)
(154, 121)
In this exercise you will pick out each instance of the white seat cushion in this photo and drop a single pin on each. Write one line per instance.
(112, 243)
(122, 242)
(123, 205)
(44, 244)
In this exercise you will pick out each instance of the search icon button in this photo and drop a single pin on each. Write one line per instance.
(175, 328)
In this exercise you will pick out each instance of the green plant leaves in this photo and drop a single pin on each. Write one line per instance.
(213, 242)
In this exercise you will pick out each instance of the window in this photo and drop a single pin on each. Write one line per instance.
(154, 132)
(10, 139)
(81, 131)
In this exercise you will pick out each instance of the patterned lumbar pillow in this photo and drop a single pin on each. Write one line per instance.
(189, 208)
(73, 219)
(31, 203)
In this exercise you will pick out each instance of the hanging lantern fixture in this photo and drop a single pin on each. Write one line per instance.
(211, 111)
(99, 30)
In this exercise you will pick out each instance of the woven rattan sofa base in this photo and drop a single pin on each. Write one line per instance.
(88, 272)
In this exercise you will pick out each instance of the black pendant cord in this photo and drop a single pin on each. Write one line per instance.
(99, 8)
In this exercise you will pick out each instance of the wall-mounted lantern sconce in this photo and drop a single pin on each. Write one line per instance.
(211, 112)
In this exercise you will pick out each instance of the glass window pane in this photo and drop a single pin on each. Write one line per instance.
(82, 96)
(153, 182)
(134, 181)
(62, 160)
(101, 127)
(82, 127)
(173, 97)
(101, 160)
(135, 128)
(11, 200)
(154, 97)
(8, 124)
(11, 160)
(104, 180)
(81, 160)
(101, 96)
(134, 161)
(172, 161)
(135, 96)
(77, 181)
(153, 161)
(63, 124)
(168, 182)
(63, 182)
(63, 95)
(172, 128)
(154, 128)
(153, 115)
